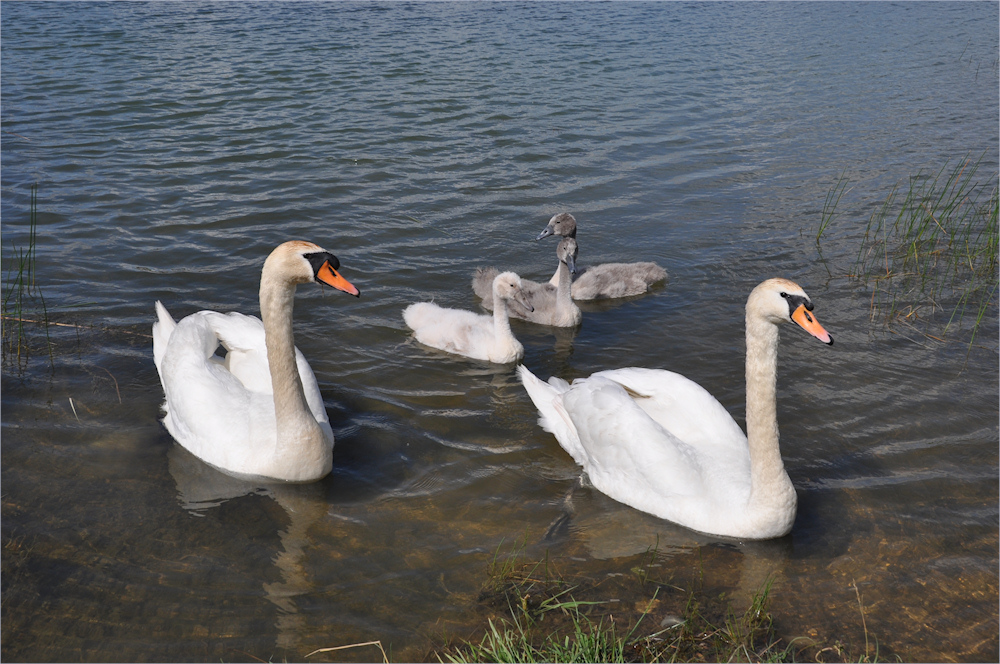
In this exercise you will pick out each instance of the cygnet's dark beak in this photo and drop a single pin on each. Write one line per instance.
(545, 233)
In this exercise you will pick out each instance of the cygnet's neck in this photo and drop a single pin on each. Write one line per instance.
(564, 286)
(501, 320)
(567, 313)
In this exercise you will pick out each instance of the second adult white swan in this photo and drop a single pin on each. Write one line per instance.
(661, 443)
(258, 413)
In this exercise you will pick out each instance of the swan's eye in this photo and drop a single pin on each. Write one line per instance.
(784, 295)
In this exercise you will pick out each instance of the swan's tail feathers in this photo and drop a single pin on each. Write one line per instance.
(552, 416)
(421, 315)
(558, 384)
(482, 284)
(162, 329)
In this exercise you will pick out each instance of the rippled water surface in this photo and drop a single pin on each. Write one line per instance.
(175, 144)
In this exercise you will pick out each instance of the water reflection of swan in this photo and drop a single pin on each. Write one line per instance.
(610, 530)
(258, 412)
(551, 304)
(661, 443)
(466, 333)
(200, 487)
(608, 280)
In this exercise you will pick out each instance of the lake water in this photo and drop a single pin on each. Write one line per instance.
(175, 144)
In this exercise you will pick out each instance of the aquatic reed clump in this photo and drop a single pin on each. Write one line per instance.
(21, 295)
(930, 254)
(830, 204)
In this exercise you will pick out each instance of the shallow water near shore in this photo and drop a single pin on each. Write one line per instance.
(174, 145)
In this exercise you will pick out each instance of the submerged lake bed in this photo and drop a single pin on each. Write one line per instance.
(174, 145)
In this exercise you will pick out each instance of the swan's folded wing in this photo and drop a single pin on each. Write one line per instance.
(246, 353)
(688, 411)
(629, 455)
(246, 358)
(453, 330)
(542, 298)
(614, 280)
(482, 284)
(206, 402)
(310, 387)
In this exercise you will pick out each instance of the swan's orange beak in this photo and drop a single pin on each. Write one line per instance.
(809, 323)
(327, 275)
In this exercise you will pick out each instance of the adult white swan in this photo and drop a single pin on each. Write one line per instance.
(258, 412)
(607, 280)
(659, 442)
(466, 333)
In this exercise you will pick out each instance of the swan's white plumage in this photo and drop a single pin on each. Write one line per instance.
(661, 443)
(466, 333)
(650, 451)
(224, 410)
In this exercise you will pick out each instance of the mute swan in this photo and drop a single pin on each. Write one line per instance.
(551, 305)
(466, 333)
(656, 441)
(608, 280)
(259, 412)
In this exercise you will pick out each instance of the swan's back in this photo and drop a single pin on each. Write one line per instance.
(613, 280)
(452, 330)
(538, 295)
(466, 333)
(686, 409)
(649, 438)
(482, 284)
(204, 401)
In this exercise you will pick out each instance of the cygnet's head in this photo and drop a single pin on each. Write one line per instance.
(779, 301)
(507, 286)
(567, 251)
(301, 262)
(562, 224)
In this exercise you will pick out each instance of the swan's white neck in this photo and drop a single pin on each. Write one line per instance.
(300, 440)
(772, 495)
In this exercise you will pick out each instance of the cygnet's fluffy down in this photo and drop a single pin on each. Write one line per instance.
(551, 304)
(608, 280)
(611, 280)
(466, 333)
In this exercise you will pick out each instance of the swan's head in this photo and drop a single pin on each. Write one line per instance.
(779, 301)
(567, 252)
(507, 286)
(304, 262)
(563, 224)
